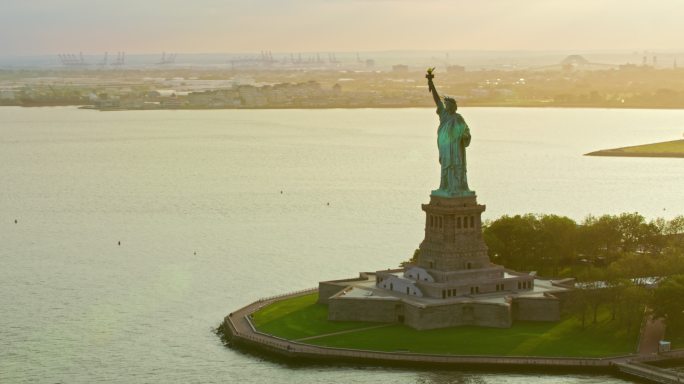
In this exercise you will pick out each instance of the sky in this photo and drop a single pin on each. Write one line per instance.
(218, 26)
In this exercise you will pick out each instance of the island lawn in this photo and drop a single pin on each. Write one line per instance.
(301, 317)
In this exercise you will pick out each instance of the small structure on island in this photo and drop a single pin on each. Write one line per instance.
(451, 281)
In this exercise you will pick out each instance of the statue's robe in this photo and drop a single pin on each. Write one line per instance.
(453, 136)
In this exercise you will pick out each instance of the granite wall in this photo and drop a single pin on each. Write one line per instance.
(536, 308)
(365, 309)
(326, 290)
(440, 316)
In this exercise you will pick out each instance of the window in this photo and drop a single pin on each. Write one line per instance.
(443, 294)
(458, 222)
(407, 290)
(391, 286)
(472, 222)
(469, 265)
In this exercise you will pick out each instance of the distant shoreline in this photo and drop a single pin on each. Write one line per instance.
(344, 106)
(672, 149)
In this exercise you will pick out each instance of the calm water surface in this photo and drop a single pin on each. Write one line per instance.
(195, 199)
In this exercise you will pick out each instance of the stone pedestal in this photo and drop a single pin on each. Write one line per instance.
(453, 236)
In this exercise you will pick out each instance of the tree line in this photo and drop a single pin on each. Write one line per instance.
(558, 246)
(622, 263)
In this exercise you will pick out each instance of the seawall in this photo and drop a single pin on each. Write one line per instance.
(238, 331)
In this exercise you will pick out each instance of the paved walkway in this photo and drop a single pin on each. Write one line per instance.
(653, 332)
(343, 332)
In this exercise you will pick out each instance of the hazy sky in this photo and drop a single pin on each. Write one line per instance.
(135, 26)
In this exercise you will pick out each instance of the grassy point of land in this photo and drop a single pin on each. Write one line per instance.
(301, 317)
(673, 148)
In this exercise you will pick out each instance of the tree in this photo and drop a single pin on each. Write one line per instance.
(632, 304)
(512, 240)
(577, 305)
(557, 241)
(667, 300)
(599, 237)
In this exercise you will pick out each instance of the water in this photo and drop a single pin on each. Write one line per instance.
(194, 198)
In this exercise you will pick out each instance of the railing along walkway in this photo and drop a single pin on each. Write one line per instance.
(649, 372)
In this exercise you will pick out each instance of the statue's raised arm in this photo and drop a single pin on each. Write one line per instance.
(432, 89)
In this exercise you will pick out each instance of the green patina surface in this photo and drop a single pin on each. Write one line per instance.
(453, 136)
(301, 317)
(665, 149)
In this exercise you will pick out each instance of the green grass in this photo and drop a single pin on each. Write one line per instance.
(668, 148)
(561, 339)
(676, 146)
(301, 317)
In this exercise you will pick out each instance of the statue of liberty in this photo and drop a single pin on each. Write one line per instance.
(453, 136)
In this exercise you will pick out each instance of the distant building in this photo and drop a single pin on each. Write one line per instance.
(172, 102)
(162, 93)
(573, 62)
(7, 94)
(455, 69)
(400, 68)
(252, 96)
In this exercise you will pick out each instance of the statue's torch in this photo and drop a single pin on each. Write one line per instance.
(430, 76)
